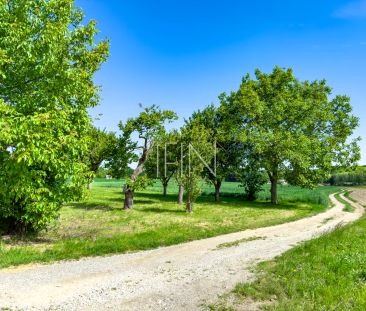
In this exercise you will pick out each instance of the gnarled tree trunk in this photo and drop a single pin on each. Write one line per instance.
(128, 190)
(129, 194)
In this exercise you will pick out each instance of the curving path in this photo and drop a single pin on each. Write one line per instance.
(179, 277)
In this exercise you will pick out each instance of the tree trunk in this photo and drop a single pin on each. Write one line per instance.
(274, 190)
(128, 199)
(90, 186)
(180, 194)
(189, 206)
(217, 190)
(165, 187)
(129, 193)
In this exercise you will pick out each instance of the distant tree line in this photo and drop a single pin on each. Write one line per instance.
(348, 179)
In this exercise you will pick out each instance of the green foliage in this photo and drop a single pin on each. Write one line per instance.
(149, 124)
(354, 169)
(121, 156)
(229, 152)
(102, 172)
(252, 181)
(296, 130)
(198, 153)
(47, 62)
(149, 127)
(139, 183)
(100, 147)
(348, 179)
(162, 162)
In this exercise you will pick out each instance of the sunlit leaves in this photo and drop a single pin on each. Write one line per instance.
(47, 63)
(297, 130)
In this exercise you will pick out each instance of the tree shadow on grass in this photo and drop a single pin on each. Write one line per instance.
(235, 202)
(144, 199)
(239, 203)
(157, 210)
(93, 206)
(157, 196)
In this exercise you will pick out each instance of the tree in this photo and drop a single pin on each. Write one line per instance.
(149, 126)
(250, 174)
(121, 156)
(100, 147)
(229, 152)
(198, 152)
(163, 160)
(297, 131)
(47, 63)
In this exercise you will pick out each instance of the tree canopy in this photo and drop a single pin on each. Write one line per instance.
(101, 145)
(48, 58)
(298, 131)
(229, 151)
(149, 127)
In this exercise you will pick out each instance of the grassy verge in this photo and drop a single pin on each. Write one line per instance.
(347, 194)
(347, 207)
(99, 226)
(237, 242)
(328, 273)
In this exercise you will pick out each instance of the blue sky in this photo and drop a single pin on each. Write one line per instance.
(181, 55)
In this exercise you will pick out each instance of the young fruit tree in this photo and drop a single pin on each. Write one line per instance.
(298, 131)
(148, 126)
(48, 58)
(197, 154)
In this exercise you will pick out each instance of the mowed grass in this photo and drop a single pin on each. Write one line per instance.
(328, 273)
(230, 189)
(99, 226)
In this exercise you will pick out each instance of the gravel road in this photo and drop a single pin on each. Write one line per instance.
(179, 277)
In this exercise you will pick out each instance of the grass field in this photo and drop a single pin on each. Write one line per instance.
(328, 273)
(230, 189)
(99, 226)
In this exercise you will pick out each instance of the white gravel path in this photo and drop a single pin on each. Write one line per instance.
(179, 277)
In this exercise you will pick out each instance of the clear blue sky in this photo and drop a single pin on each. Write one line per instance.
(182, 54)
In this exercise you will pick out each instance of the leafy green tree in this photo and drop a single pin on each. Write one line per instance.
(122, 155)
(47, 63)
(102, 172)
(163, 160)
(149, 126)
(198, 153)
(252, 178)
(229, 152)
(101, 146)
(298, 132)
